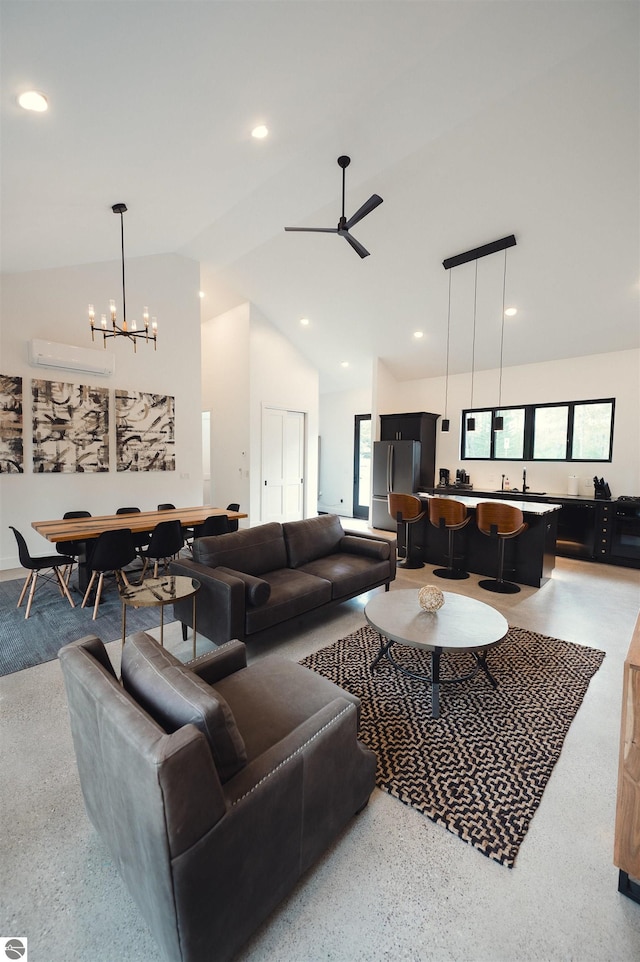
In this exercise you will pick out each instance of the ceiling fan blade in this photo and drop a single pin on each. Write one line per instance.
(357, 246)
(315, 230)
(374, 201)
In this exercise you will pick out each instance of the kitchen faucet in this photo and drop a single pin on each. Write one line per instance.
(525, 486)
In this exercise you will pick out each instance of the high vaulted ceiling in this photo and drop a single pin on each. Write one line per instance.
(473, 120)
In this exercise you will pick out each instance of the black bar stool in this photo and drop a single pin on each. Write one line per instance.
(449, 515)
(501, 521)
(407, 510)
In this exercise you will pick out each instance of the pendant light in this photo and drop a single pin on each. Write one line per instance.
(116, 330)
(445, 420)
(498, 421)
(474, 255)
(471, 421)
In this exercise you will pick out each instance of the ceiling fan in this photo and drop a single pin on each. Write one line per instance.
(344, 225)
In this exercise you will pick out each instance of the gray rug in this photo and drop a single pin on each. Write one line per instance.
(481, 768)
(53, 623)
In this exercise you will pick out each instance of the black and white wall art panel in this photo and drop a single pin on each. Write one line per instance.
(70, 427)
(145, 431)
(11, 449)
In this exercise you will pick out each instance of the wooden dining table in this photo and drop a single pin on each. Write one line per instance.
(85, 530)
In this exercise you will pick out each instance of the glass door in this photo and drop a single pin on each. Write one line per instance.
(362, 466)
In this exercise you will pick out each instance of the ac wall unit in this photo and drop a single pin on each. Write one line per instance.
(68, 357)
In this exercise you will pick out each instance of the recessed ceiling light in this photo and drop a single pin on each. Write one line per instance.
(344, 364)
(511, 312)
(33, 100)
(260, 132)
(304, 321)
(418, 334)
(201, 294)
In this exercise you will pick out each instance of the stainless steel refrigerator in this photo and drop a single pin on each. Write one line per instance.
(396, 467)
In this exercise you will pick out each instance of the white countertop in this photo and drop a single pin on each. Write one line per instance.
(527, 507)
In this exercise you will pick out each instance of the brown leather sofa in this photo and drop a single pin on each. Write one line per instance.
(257, 578)
(214, 785)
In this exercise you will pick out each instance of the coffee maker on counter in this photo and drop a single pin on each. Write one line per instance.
(443, 481)
(463, 480)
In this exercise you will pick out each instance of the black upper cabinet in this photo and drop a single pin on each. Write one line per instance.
(419, 426)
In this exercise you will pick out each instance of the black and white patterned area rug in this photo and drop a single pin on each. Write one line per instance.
(481, 768)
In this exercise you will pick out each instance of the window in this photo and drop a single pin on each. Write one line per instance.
(567, 431)
(550, 433)
(509, 443)
(592, 437)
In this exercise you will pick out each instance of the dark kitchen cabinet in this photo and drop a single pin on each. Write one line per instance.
(577, 530)
(419, 426)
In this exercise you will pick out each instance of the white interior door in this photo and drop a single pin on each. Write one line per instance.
(282, 465)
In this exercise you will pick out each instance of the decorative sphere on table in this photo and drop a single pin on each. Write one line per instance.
(430, 598)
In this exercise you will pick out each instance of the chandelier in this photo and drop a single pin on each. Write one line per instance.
(124, 330)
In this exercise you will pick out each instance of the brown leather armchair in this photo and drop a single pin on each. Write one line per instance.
(214, 785)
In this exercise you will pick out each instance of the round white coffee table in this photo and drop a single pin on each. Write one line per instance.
(462, 624)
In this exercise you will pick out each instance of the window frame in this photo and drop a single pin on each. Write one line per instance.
(529, 431)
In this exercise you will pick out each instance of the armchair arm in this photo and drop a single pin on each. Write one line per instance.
(333, 775)
(220, 602)
(214, 665)
(306, 737)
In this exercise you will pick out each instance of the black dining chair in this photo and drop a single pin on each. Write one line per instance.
(141, 539)
(213, 525)
(167, 540)
(36, 567)
(233, 523)
(72, 548)
(186, 531)
(113, 551)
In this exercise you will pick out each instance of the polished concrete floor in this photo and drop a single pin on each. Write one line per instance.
(394, 886)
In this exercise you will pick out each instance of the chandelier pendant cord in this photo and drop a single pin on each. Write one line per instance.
(124, 299)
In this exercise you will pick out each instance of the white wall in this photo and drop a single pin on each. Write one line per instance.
(52, 305)
(597, 376)
(603, 375)
(281, 378)
(247, 365)
(337, 414)
(225, 393)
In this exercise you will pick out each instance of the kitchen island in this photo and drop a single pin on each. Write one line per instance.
(529, 558)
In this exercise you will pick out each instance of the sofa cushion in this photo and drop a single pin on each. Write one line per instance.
(174, 696)
(273, 696)
(349, 574)
(312, 538)
(292, 593)
(254, 550)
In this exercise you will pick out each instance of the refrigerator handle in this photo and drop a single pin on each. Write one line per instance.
(390, 469)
